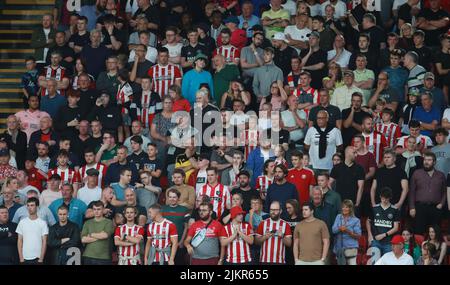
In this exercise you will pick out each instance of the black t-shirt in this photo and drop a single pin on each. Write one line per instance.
(404, 13)
(377, 36)
(87, 102)
(425, 56)
(444, 60)
(348, 133)
(141, 72)
(8, 244)
(373, 60)
(247, 195)
(65, 51)
(80, 40)
(109, 206)
(120, 36)
(189, 52)
(93, 143)
(152, 165)
(347, 179)
(138, 159)
(153, 16)
(390, 178)
(315, 58)
(382, 221)
(333, 112)
(283, 58)
(432, 36)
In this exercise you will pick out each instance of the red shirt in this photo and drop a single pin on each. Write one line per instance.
(181, 105)
(375, 144)
(302, 179)
(36, 177)
(220, 197)
(238, 251)
(213, 231)
(134, 231)
(67, 175)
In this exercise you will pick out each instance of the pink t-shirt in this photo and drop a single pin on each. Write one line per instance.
(30, 121)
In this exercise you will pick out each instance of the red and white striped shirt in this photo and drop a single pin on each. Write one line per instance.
(263, 182)
(424, 141)
(220, 197)
(101, 169)
(124, 95)
(229, 52)
(250, 139)
(133, 231)
(163, 77)
(150, 105)
(238, 251)
(57, 73)
(310, 95)
(375, 144)
(273, 249)
(291, 83)
(68, 175)
(390, 131)
(160, 233)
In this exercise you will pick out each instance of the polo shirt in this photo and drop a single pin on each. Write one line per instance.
(302, 179)
(420, 114)
(77, 209)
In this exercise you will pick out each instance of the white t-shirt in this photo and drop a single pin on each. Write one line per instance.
(339, 9)
(151, 55)
(32, 232)
(334, 139)
(131, 8)
(390, 259)
(315, 9)
(48, 196)
(297, 34)
(343, 59)
(238, 119)
(88, 195)
(289, 122)
(174, 50)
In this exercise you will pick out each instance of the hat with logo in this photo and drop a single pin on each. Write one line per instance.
(397, 239)
(200, 56)
(280, 37)
(414, 91)
(235, 211)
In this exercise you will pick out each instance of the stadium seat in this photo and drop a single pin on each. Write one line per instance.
(419, 239)
(362, 244)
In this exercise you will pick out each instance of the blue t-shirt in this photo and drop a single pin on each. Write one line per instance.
(427, 117)
(77, 209)
(252, 22)
(52, 105)
(397, 80)
(119, 191)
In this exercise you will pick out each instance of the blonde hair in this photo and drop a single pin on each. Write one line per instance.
(349, 204)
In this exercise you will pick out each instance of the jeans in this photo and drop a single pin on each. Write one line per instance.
(383, 247)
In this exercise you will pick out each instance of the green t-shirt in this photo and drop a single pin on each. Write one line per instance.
(280, 14)
(178, 215)
(222, 81)
(100, 249)
(108, 154)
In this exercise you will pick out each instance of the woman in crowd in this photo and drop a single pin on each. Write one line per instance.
(428, 253)
(179, 103)
(79, 68)
(277, 98)
(346, 230)
(235, 91)
(334, 78)
(406, 37)
(434, 236)
(410, 245)
(293, 210)
(263, 182)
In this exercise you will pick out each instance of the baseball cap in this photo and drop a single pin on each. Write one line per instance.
(315, 34)
(244, 172)
(414, 91)
(280, 37)
(428, 75)
(235, 211)
(92, 172)
(232, 19)
(200, 56)
(257, 28)
(4, 152)
(397, 239)
(349, 72)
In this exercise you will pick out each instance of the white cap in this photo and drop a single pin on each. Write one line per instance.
(280, 37)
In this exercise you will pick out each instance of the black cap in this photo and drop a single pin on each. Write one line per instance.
(92, 172)
(54, 177)
(257, 28)
(244, 172)
(4, 152)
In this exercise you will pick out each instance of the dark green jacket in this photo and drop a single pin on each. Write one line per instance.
(38, 42)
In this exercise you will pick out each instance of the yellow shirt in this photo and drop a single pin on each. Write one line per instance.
(270, 30)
